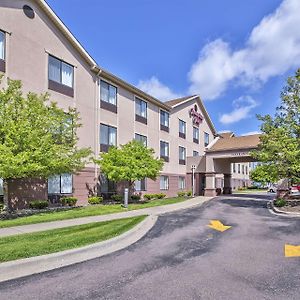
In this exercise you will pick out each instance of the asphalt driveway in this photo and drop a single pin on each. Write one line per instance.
(182, 258)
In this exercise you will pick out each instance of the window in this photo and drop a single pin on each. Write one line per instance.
(164, 182)
(140, 185)
(61, 76)
(164, 150)
(243, 169)
(1, 187)
(108, 96)
(140, 111)
(2, 45)
(141, 138)
(246, 167)
(182, 155)
(196, 135)
(108, 137)
(2, 51)
(195, 153)
(234, 168)
(239, 168)
(60, 184)
(181, 182)
(164, 120)
(107, 187)
(182, 129)
(206, 139)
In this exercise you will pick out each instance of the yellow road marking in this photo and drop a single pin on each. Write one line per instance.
(291, 250)
(218, 225)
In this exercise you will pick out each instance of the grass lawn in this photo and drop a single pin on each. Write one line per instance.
(50, 241)
(249, 191)
(84, 212)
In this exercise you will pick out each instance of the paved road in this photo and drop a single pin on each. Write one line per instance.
(181, 258)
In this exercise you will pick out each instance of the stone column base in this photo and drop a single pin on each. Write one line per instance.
(210, 193)
(227, 190)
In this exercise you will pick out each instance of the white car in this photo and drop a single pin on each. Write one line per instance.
(272, 188)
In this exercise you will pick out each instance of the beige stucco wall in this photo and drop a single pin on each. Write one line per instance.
(27, 48)
(28, 44)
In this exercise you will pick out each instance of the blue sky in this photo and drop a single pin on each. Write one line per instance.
(235, 54)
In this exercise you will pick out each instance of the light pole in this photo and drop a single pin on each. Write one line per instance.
(193, 180)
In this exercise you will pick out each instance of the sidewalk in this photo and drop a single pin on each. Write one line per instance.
(151, 211)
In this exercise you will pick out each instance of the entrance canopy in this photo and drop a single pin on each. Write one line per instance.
(224, 150)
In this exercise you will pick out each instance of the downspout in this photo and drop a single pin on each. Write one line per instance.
(97, 117)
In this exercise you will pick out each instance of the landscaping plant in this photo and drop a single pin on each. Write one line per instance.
(37, 138)
(95, 200)
(38, 204)
(68, 201)
(130, 162)
(279, 149)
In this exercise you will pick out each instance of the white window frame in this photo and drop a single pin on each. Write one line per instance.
(108, 133)
(195, 152)
(138, 186)
(184, 127)
(163, 114)
(62, 63)
(168, 148)
(143, 142)
(164, 182)
(182, 150)
(111, 87)
(2, 50)
(1, 187)
(196, 130)
(206, 139)
(60, 179)
(139, 112)
(181, 182)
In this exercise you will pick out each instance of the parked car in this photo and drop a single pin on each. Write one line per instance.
(272, 188)
(295, 189)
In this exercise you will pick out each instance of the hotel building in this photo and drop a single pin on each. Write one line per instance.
(38, 49)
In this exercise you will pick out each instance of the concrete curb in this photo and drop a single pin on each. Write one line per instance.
(33, 265)
(279, 212)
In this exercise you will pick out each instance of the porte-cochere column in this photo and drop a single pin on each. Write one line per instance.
(210, 185)
(227, 184)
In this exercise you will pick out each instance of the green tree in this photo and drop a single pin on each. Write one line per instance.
(264, 174)
(280, 142)
(37, 139)
(130, 162)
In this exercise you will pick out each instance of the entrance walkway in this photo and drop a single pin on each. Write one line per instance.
(157, 210)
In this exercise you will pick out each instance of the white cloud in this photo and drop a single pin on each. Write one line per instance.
(157, 89)
(272, 48)
(242, 109)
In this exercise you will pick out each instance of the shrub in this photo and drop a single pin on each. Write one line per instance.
(38, 204)
(149, 196)
(160, 196)
(95, 200)
(189, 193)
(279, 202)
(135, 197)
(68, 201)
(180, 194)
(117, 198)
(1, 206)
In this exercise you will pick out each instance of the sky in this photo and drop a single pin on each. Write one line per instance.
(235, 54)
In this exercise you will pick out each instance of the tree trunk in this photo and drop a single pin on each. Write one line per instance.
(6, 201)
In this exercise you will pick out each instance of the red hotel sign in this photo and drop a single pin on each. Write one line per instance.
(196, 117)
